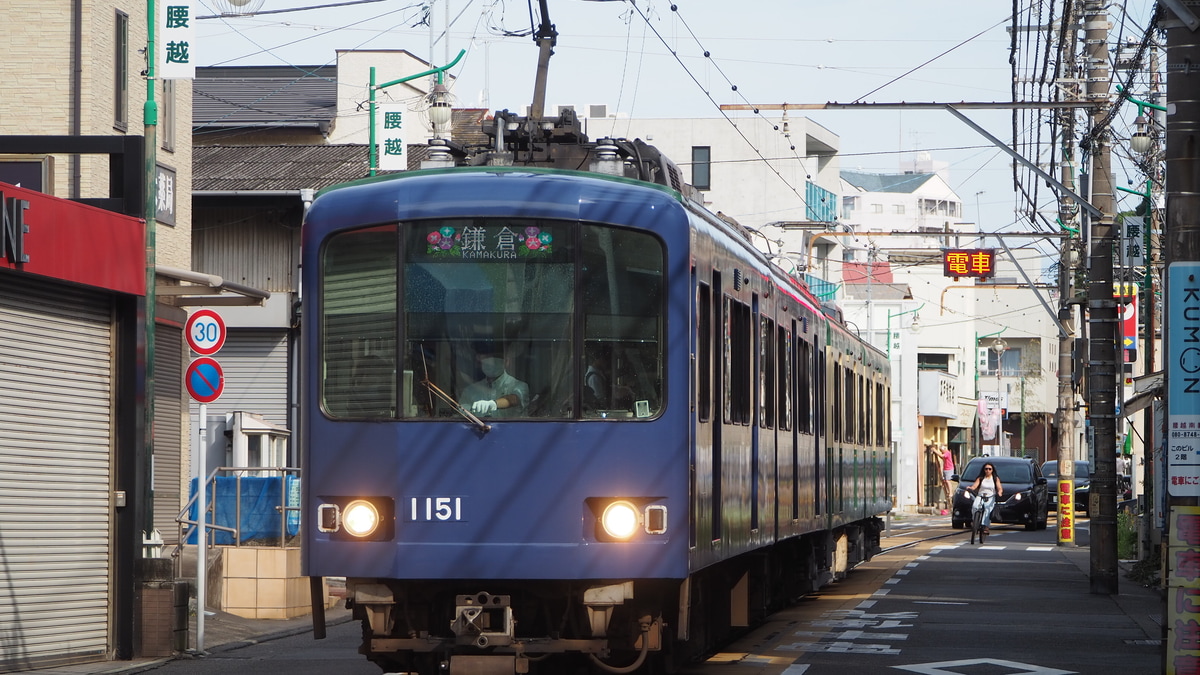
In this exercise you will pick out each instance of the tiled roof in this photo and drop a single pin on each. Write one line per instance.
(295, 167)
(275, 167)
(886, 182)
(264, 96)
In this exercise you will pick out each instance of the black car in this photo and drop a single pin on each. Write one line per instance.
(1025, 497)
(1083, 483)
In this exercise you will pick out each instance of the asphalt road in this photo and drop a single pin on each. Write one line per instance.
(930, 603)
(1018, 604)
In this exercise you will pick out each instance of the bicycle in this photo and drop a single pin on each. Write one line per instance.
(977, 528)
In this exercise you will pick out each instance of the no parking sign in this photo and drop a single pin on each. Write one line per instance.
(204, 379)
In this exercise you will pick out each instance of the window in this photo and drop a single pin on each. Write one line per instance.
(877, 208)
(704, 329)
(1009, 362)
(702, 167)
(738, 367)
(166, 118)
(848, 206)
(766, 374)
(484, 310)
(806, 375)
(121, 73)
(898, 209)
(784, 363)
(927, 361)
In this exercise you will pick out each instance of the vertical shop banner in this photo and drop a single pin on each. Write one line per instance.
(177, 34)
(389, 134)
(1182, 365)
(1183, 591)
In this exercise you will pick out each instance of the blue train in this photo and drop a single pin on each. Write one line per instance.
(559, 419)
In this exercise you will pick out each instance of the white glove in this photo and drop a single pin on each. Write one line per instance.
(483, 407)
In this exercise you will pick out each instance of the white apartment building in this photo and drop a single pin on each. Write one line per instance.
(941, 331)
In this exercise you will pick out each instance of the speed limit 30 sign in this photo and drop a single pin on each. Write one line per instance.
(205, 332)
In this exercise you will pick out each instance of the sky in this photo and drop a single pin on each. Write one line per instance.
(647, 58)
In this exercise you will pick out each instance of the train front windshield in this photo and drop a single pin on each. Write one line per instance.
(509, 318)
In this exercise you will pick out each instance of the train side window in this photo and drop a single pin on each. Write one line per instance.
(851, 409)
(766, 373)
(838, 400)
(704, 330)
(727, 360)
(743, 351)
(881, 414)
(782, 348)
(868, 412)
(805, 375)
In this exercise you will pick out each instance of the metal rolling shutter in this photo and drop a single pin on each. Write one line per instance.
(56, 451)
(168, 430)
(255, 364)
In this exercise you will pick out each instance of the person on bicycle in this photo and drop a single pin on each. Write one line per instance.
(986, 488)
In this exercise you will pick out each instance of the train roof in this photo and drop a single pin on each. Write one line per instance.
(504, 191)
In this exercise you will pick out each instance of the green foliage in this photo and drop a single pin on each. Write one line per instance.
(1126, 535)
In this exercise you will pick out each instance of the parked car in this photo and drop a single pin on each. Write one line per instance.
(1083, 484)
(1025, 495)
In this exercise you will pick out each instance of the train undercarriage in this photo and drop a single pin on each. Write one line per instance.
(503, 627)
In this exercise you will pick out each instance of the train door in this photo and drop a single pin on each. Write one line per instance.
(756, 425)
(704, 448)
(720, 377)
(820, 424)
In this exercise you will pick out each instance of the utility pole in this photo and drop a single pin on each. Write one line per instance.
(1102, 308)
(1068, 213)
(1149, 447)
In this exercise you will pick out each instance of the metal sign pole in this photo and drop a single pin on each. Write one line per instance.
(201, 529)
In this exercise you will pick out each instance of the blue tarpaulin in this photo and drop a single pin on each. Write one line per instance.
(261, 499)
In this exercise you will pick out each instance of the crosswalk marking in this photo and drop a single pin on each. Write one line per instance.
(943, 667)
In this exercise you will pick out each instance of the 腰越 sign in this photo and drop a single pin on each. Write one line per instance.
(176, 36)
(392, 152)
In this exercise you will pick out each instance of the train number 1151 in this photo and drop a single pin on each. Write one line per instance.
(430, 509)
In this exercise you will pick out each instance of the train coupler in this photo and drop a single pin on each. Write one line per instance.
(483, 620)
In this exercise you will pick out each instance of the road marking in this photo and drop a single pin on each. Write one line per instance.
(1039, 548)
(795, 669)
(940, 668)
(938, 602)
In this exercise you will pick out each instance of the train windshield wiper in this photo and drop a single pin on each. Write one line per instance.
(470, 417)
(449, 400)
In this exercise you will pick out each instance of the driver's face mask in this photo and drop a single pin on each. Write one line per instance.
(492, 367)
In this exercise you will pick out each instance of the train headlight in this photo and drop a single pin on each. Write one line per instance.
(360, 518)
(620, 520)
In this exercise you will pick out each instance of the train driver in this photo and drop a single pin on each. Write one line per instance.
(498, 394)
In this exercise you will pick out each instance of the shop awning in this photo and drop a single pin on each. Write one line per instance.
(207, 290)
(1145, 389)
